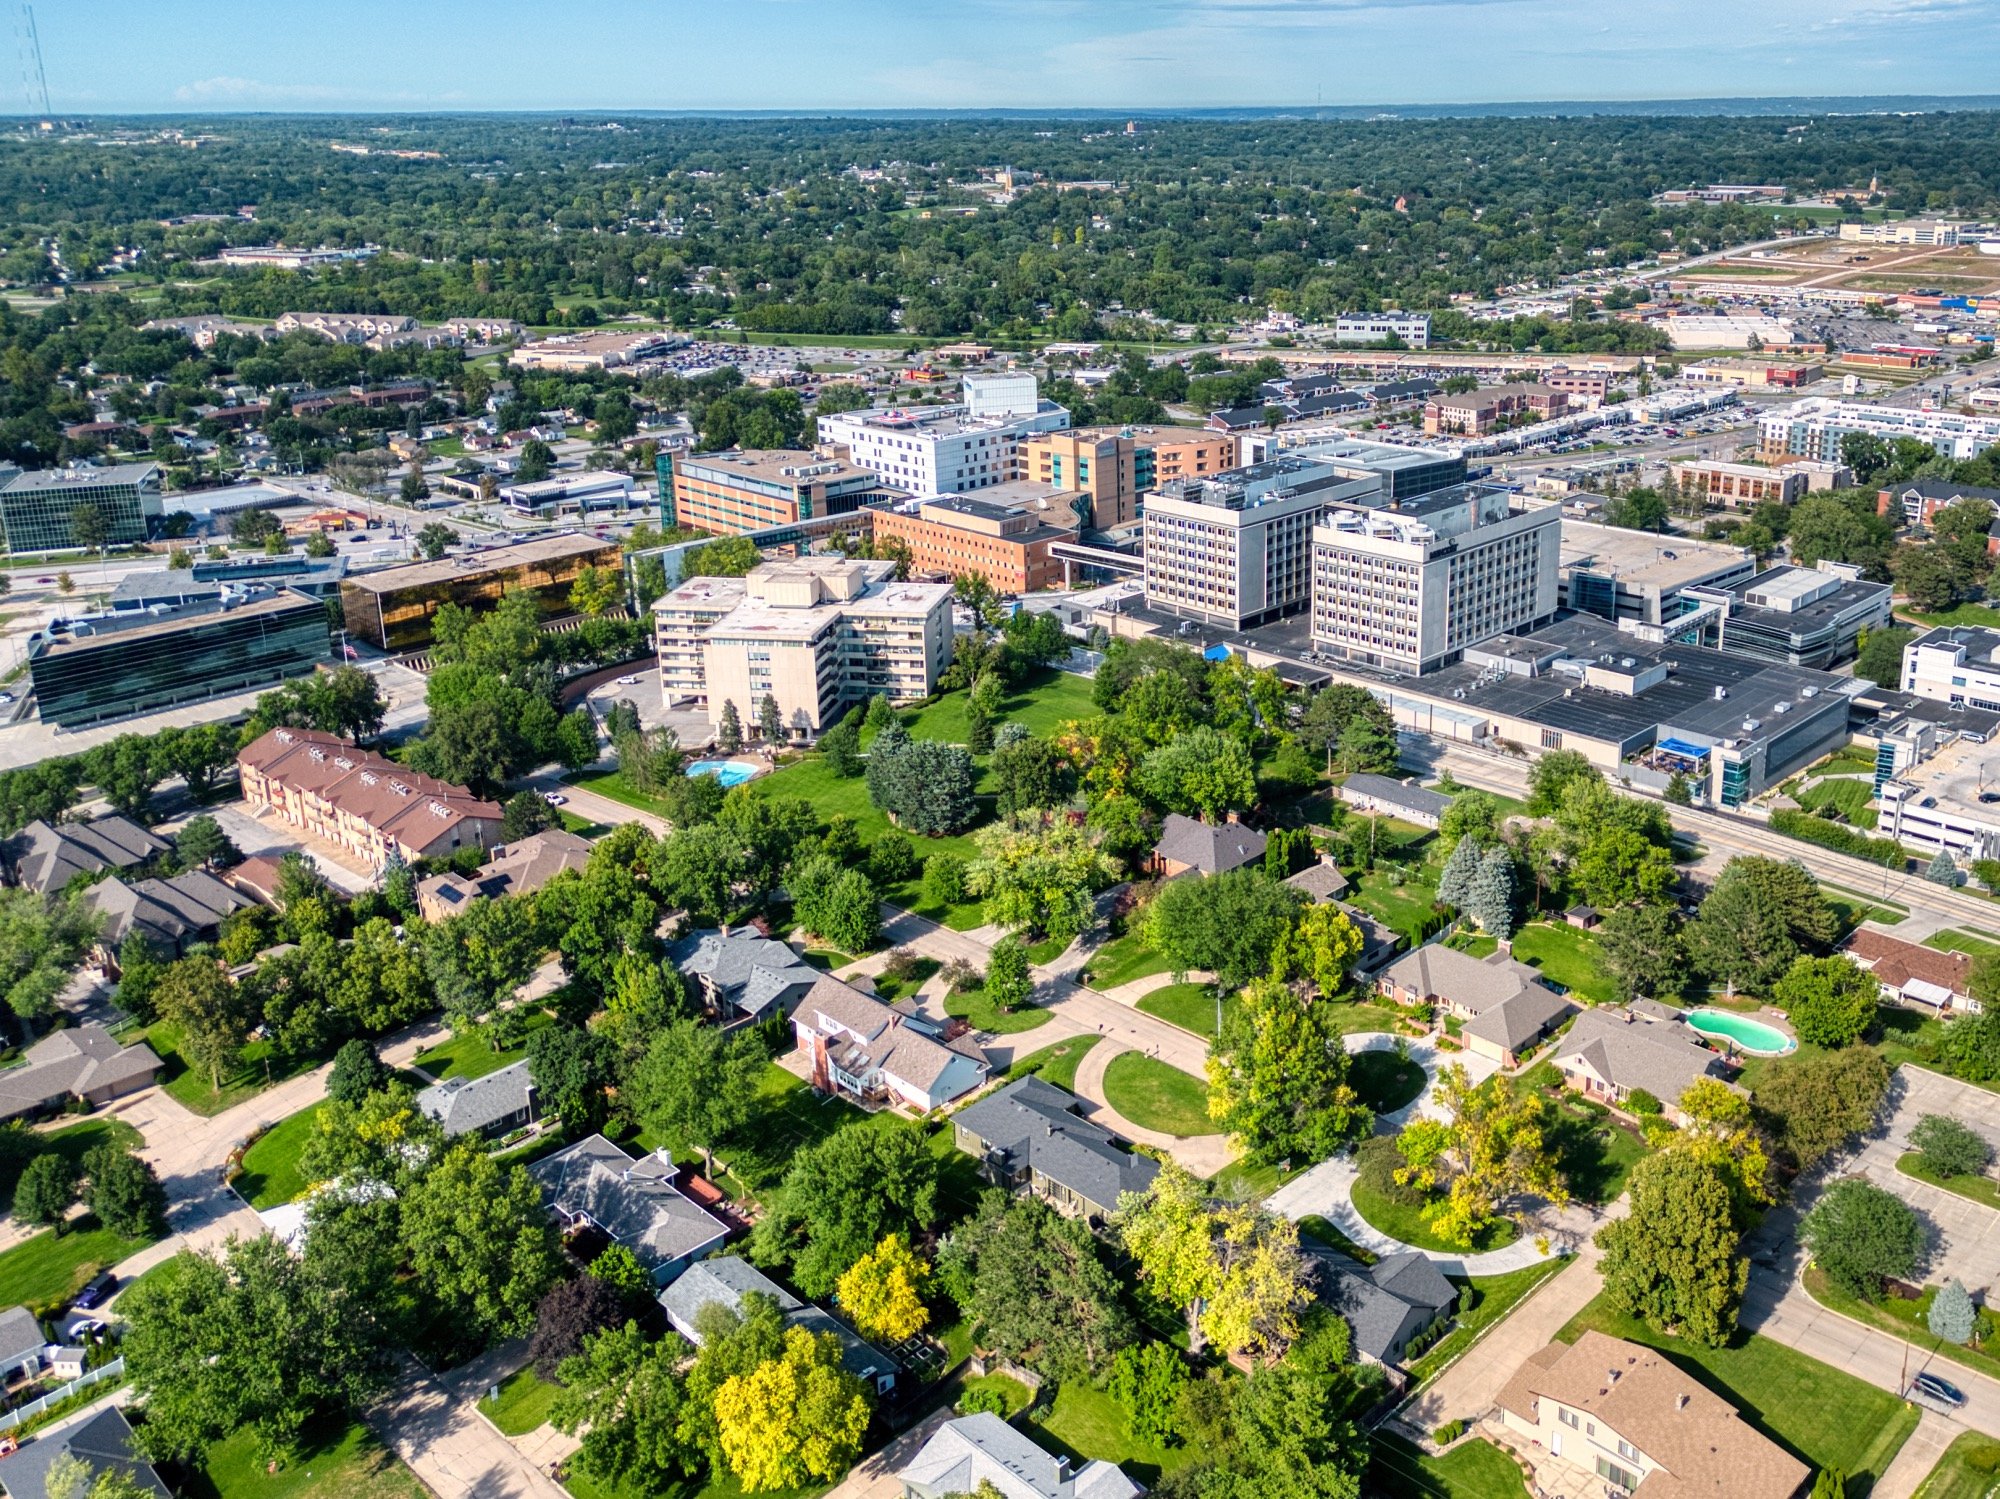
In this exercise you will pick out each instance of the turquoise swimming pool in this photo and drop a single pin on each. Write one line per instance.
(729, 772)
(1750, 1035)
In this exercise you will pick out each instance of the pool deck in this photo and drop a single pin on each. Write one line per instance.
(1769, 1018)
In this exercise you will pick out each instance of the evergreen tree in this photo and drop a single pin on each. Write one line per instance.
(770, 723)
(1489, 895)
(1942, 870)
(1952, 1314)
(1459, 869)
(978, 728)
(729, 732)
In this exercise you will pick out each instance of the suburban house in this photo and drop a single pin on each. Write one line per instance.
(1188, 845)
(366, 805)
(1029, 1134)
(1920, 977)
(864, 1049)
(1627, 1415)
(172, 915)
(489, 1106)
(104, 1441)
(46, 857)
(1379, 940)
(743, 975)
(1321, 882)
(517, 869)
(1393, 798)
(726, 1279)
(594, 1187)
(1388, 1303)
(1611, 1053)
(21, 1345)
(983, 1449)
(83, 1062)
(1506, 1009)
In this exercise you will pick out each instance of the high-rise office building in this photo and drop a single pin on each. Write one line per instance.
(948, 449)
(38, 508)
(1407, 588)
(1236, 549)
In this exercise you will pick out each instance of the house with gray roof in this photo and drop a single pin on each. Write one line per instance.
(172, 915)
(21, 1343)
(1188, 845)
(743, 974)
(1322, 881)
(1506, 1007)
(725, 1279)
(874, 1052)
(594, 1186)
(1512, 1029)
(1392, 798)
(1030, 1135)
(488, 1106)
(104, 1441)
(1611, 1053)
(520, 868)
(81, 1062)
(1388, 1303)
(47, 856)
(963, 1454)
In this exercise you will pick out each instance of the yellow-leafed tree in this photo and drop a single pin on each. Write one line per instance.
(883, 1292)
(793, 1420)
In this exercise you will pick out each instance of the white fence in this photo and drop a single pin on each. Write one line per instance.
(76, 1386)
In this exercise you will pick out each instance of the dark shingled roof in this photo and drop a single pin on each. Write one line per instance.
(465, 1104)
(1213, 849)
(1032, 1123)
(104, 1441)
(1384, 1302)
(47, 857)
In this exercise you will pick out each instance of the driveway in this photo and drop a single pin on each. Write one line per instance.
(448, 1445)
(1428, 1057)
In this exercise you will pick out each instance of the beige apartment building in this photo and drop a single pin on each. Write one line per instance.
(1478, 412)
(1100, 465)
(816, 634)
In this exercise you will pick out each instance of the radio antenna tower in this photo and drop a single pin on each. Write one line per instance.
(34, 81)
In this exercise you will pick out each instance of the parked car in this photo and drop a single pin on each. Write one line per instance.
(1943, 1391)
(95, 1293)
(554, 798)
(627, 681)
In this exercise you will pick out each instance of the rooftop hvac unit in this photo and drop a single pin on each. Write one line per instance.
(1749, 725)
(1721, 693)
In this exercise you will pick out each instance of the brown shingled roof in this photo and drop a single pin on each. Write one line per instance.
(1895, 962)
(393, 799)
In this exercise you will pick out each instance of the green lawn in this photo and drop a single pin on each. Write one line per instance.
(20, 1145)
(342, 1463)
(1473, 944)
(1083, 1423)
(1313, 1226)
(1052, 699)
(1493, 1297)
(1123, 959)
(1397, 901)
(1568, 956)
(1981, 1189)
(1855, 799)
(1189, 1006)
(981, 1015)
(1963, 614)
(271, 1175)
(473, 1054)
(1240, 1181)
(1054, 1064)
(1824, 1416)
(256, 1069)
(889, 989)
(1011, 1390)
(1154, 1095)
(1966, 1471)
(1354, 1018)
(1973, 944)
(1407, 1224)
(1853, 908)
(1472, 1470)
(45, 1270)
(525, 1399)
(1384, 1081)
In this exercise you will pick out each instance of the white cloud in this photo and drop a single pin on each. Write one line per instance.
(227, 90)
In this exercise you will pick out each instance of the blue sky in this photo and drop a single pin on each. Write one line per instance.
(176, 55)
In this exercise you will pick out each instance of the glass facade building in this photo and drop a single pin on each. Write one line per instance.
(38, 508)
(111, 668)
(392, 609)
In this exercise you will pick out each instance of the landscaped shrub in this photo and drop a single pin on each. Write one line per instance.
(1803, 825)
(960, 976)
(984, 1400)
(1640, 1102)
(1448, 1433)
(1377, 1160)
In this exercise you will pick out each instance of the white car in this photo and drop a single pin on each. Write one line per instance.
(554, 798)
(629, 681)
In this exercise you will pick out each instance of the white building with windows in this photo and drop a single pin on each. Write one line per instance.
(1413, 328)
(1956, 665)
(949, 449)
(1408, 589)
(1235, 548)
(816, 634)
(1813, 428)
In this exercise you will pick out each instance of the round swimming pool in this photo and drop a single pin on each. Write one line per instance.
(729, 772)
(1749, 1035)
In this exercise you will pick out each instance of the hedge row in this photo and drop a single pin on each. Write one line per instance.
(1884, 851)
